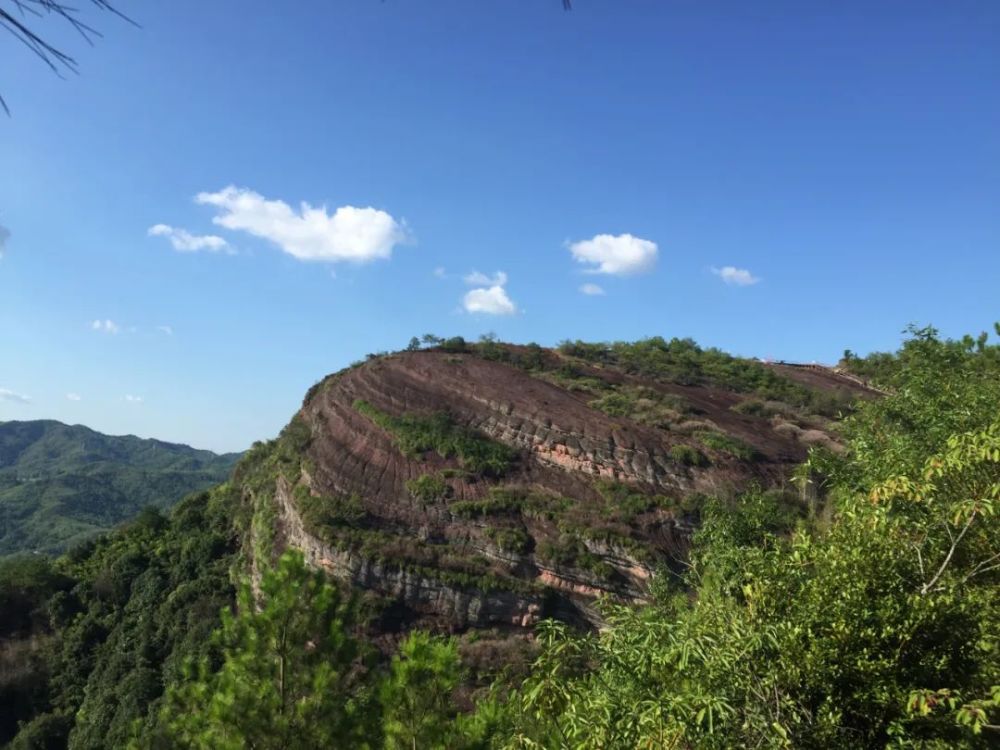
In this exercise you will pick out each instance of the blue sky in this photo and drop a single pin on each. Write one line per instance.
(779, 179)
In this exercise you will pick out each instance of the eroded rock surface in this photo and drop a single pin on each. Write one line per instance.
(592, 504)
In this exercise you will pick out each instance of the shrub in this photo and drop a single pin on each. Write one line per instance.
(786, 429)
(314, 389)
(568, 551)
(533, 357)
(501, 501)
(615, 404)
(583, 350)
(643, 405)
(508, 539)
(428, 488)
(455, 345)
(728, 444)
(622, 502)
(490, 348)
(752, 407)
(325, 515)
(296, 436)
(818, 437)
(690, 426)
(688, 456)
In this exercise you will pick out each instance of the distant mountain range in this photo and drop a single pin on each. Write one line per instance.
(61, 484)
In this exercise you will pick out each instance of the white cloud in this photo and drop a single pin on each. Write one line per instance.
(106, 326)
(185, 242)
(735, 276)
(349, 234)
(73, 397)
(4, 236)
(481, 279)
(168, 330)
(592, 290)
(17, 398)
(621, 255)
(491, 301)
(440, 272)
(133, 399)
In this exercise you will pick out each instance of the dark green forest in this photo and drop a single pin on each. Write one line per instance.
(872, 621)
(62, 484)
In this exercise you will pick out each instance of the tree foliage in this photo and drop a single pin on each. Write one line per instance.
(290, 673)
(879, 629)
(63, 484)
(91, 639)
(416, 696)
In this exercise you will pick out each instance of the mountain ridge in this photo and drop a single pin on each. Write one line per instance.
(62, 484)
(480, 485)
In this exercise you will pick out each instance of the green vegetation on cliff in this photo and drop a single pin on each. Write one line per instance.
(683, 362)
(417, 433)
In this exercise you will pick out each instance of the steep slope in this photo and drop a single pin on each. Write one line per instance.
(491, 485)
(62, 483)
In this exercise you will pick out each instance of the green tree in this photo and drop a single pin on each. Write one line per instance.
(416, 696)
(290, 676)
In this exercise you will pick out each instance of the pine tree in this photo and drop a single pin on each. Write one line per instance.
(290, 676)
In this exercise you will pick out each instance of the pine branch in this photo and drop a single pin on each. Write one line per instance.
(19, 17)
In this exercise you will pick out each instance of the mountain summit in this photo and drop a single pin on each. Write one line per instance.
(477, 485)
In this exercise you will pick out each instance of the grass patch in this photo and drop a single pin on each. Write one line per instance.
(643, 405)
(726, 444)
(687, 455)
(623, 503)
(436, 561)
(417, 433)
(509, 540)
(755, 407)
(572, 379)
(428, 488)
(506, 501)
(569, 551)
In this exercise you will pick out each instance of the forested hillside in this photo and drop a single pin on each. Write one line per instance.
(837, 592)
(61, 484)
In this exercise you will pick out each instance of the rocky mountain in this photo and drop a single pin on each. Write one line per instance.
(491, 485)
(61, 484)
(462, 488)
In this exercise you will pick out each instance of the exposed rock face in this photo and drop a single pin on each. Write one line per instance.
(422, 593)
(563, 543)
